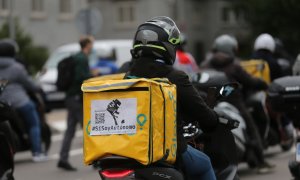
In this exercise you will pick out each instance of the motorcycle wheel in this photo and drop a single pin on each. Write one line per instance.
(273, 137)
(46, 137)
(287, 145)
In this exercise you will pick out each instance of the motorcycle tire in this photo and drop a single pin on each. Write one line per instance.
(273, 137)
(287, 146)
(46, 136)
(251, 159)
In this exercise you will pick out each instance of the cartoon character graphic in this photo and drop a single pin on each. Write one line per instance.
(113, 108)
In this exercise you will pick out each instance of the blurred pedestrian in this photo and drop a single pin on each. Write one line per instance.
(74, 101)
(19, 83)
(223, 59)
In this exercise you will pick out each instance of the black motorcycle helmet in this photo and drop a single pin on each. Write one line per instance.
(157, 37)
(8, 48)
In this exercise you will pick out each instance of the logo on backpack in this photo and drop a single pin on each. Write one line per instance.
(112, 108)
(117, 116)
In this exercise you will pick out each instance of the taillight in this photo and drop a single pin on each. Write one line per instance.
(116, 173)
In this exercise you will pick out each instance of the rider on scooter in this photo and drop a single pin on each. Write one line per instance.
(15, 94)
(154, 50)
(224, 60)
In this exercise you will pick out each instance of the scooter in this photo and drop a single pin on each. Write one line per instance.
(269, 122)
(219, 144)
(19, 134)
(208, 78)
(284, 96)
(121, 168)
(6, 150)
(6, 142)
(212, 78)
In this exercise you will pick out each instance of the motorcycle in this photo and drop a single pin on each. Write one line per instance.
(122, 168)
(20, 136)
(6, 142)
(284, 97)
(208, 78)
(219, 144)
(270, 122)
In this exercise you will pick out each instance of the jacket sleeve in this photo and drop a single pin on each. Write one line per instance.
(247, 80)
(192, 104)
(82, 71)
(25, 80)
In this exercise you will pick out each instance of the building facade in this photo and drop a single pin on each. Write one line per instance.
(200, 20)
(51, 23)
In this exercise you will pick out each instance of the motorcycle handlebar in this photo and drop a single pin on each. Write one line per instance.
(230, 123)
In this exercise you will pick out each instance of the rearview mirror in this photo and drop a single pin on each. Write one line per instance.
(3, 83)
(228, 89)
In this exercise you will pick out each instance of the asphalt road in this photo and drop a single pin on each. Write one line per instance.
(25, 169)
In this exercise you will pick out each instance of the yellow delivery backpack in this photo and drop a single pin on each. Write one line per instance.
(257, 68)
(134, 118)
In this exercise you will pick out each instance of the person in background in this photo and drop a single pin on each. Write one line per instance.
(284, 59)
(15, 93)
(185, 61)
(74, 101)
(264, 47)
(223, 59)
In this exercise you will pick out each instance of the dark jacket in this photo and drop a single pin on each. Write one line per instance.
(275, 69)
(190, 106)
(234, 71)
(82, 72)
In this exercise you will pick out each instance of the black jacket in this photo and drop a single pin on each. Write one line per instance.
(275, 69)
(235, 72)
(190, 106)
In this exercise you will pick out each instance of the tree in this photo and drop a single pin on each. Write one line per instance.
(280, 18)
(33, 56)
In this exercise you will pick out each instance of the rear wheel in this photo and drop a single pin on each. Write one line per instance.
(287, 145)
(46, 137)
(251, 159)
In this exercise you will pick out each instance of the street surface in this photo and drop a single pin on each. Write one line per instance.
(25, 169)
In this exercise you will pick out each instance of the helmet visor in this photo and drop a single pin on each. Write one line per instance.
(147, 36)
(169, 27)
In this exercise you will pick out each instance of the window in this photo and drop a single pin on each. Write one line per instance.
(65, 10)
(4, 7)
(37, 10)
(64, 6)
(225, 14)
(126, 13)
(37, 6)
